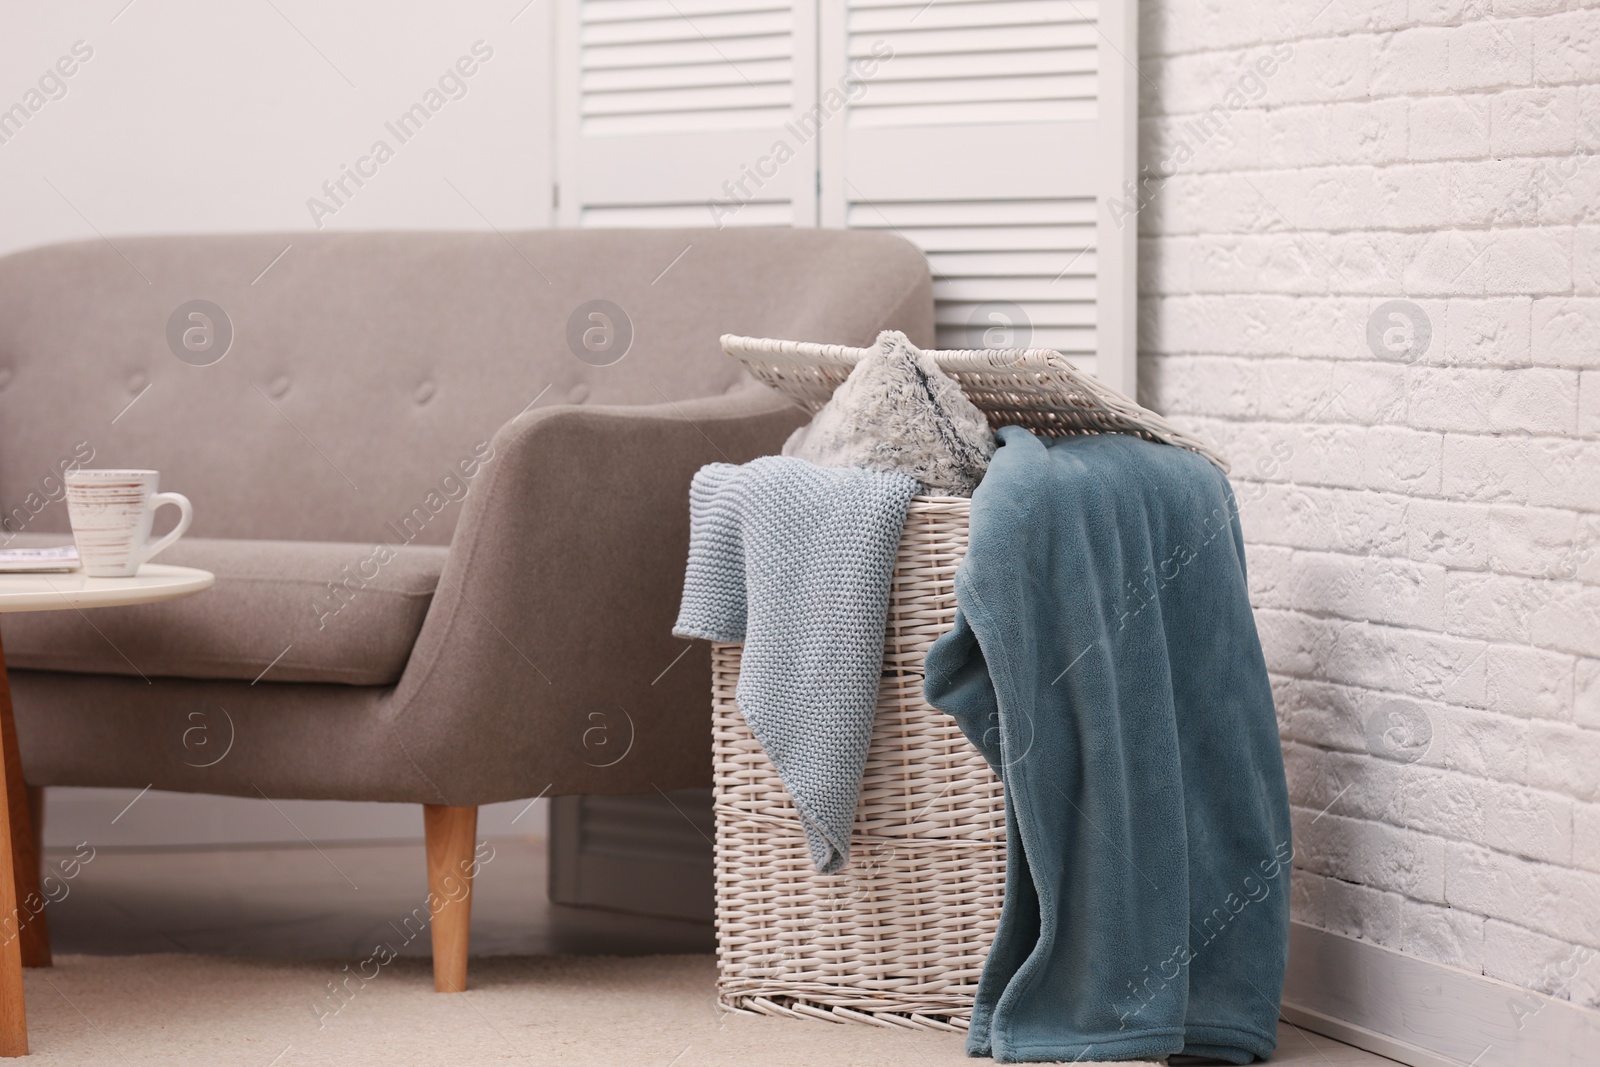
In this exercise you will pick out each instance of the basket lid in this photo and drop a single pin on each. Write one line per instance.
(1036, 388)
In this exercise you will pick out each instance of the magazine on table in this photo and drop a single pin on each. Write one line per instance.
(54, 560)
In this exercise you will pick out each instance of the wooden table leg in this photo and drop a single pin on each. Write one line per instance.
(25, 842)
(13, 1017)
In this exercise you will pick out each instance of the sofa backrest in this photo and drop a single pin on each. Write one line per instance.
(364, 367)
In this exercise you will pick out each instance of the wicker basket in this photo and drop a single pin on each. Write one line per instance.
(898, 937)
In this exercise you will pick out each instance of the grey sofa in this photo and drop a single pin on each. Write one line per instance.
(448, 549)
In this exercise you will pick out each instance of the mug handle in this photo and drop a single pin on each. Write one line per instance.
(184, 519)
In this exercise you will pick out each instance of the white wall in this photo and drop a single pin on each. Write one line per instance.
(1424, 528)
(193, 117)
(203, 117)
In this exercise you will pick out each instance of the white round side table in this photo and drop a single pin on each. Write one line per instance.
(29, 942)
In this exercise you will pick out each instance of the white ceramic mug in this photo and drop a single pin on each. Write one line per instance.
(111, 512)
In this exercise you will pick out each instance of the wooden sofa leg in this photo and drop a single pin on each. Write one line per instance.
(451, 833)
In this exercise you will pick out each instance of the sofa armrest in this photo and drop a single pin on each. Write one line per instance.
(547, 662)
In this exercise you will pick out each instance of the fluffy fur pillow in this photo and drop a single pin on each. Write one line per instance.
(899, 412)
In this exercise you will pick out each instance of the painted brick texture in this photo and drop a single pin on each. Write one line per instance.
(1419, 481)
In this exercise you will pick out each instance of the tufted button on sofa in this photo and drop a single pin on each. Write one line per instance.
(448, 522)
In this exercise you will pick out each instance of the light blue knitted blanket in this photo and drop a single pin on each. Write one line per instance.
(795, 561)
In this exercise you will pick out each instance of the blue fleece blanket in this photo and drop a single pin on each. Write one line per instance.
(1106, 662)
(795, 561)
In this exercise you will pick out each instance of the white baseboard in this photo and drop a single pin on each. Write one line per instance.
(123, 818)
(1361, 1037)
(1426, 1014)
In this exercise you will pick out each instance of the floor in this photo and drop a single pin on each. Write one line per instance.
(302, 912)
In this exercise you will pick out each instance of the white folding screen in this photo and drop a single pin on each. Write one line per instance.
(994, 134)
(666, 106)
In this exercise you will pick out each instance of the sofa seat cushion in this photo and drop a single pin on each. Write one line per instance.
(311, 611)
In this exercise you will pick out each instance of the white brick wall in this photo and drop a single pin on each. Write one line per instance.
(1424, 530)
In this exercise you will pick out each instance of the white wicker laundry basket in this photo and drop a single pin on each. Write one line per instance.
(898, 937)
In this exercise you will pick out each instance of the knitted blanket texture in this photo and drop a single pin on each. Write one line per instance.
(795, 561)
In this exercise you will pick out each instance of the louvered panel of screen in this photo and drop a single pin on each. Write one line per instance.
(668, 66)
(682, 216)
(668, 111)
(994, 134)
(990, 255)
(982, 61)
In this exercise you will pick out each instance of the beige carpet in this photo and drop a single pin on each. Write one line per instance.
(653, 1011)
(576, 1011)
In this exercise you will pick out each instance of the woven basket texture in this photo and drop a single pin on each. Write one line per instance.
(1036, 387)
(899, 937)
